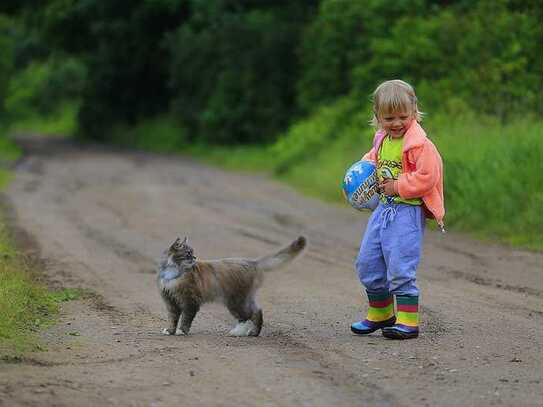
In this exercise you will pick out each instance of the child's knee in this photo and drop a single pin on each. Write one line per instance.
(404, 285)
(373, 280)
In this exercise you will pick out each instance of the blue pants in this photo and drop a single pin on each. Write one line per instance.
(391, 248)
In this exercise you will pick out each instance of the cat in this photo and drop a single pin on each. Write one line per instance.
(185, 283)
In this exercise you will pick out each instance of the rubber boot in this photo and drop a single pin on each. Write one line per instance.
(407, 319)
(380, 314)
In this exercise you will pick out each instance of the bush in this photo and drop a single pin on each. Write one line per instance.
(127, 68)
(484, 56)
(339, 42)
(6, 58)
(42, 87)
(160, 134)
(232, 70)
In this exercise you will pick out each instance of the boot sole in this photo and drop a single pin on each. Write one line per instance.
(395, 334)
(359, 332)
(369, 331)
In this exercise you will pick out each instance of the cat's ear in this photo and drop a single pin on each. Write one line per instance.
(185, 240)
(175, 242)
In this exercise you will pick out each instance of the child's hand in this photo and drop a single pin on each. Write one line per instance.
(388, 187)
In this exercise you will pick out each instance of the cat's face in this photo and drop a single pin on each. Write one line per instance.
(180, 253)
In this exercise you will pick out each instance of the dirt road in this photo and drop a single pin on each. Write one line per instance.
(99, 219)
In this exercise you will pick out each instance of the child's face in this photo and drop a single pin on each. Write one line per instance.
(396, 123)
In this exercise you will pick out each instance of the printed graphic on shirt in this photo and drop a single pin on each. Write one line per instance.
(389, 166)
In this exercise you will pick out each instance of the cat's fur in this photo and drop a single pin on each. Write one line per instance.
(185, 283)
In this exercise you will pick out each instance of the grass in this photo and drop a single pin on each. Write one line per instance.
(493, 179)
(163, 135)
(62, 122)
(25, 304)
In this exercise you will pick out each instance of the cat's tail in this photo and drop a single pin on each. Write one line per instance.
(282, 257)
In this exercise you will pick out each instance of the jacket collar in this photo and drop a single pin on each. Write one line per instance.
(415, 136)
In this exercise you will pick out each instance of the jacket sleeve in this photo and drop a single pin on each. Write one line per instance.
(428, 167)
(370, 155)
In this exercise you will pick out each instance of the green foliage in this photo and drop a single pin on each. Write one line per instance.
(44, 97)
(237, 71)
(37, 89)
(159, 134)
(498, 81)
(493, 184)
(16, 6)
(305, 140)
(6, 58)
(9, 151)
(23, 89)
(127, 67)
(483, 57)
(60, 122)
(338, 42)
(231, 69)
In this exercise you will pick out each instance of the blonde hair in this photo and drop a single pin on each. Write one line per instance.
(393, 96)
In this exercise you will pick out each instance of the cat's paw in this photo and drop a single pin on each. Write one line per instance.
(179, 332)
(245, 328)
(166, 331)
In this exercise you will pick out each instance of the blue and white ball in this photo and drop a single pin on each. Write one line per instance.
(360, 185)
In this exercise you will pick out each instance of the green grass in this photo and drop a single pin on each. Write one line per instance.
(493, 178)
(163, 135)
(25, 304)
(9, 152)
(160, 134)
(5, 178)
(239, 158)
(62, 122)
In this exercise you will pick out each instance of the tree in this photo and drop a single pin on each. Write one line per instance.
(121, 46)
(233, 69)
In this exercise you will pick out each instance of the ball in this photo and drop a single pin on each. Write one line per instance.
(360, 185)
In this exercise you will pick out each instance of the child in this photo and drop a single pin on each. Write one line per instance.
(410, 184)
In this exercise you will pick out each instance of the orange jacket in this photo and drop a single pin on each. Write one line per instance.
(422, 170)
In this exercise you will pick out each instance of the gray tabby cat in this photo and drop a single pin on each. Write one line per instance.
(186, 283)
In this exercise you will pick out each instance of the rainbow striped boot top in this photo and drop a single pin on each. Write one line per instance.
(380, 314)
(407, 319)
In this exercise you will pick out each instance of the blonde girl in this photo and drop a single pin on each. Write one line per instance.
(410, 182)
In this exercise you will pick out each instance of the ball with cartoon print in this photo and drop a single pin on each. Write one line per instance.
(360, 185)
